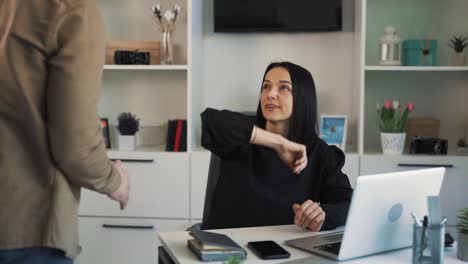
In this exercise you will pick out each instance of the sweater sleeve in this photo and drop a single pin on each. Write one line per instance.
(224, 132)
(336, 190)
(75, 69)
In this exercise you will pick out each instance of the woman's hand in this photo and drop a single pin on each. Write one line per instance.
(294, 155)
(309, 215)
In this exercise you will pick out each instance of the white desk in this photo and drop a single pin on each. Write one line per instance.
(175, 243)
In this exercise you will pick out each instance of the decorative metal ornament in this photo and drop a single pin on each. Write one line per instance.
(390, 47)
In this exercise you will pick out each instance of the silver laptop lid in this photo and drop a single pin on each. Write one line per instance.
(379, 216)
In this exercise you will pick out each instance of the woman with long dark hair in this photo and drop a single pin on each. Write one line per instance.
(275, 170)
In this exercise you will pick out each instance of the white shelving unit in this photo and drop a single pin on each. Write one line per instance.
(160, 180)
(437, 91)
(155, 93)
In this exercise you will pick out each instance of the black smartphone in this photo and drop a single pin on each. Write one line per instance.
(268, 250)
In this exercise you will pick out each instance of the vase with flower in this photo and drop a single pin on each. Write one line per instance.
(392, 124)
(166, 22)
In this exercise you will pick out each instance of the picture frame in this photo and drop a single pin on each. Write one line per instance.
(333, 130)
(105, 131)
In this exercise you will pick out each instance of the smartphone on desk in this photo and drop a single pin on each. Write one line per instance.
(268, 250)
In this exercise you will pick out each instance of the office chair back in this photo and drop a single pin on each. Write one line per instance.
(212, 181)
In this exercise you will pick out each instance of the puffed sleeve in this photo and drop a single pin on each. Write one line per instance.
(225, 132)
(336, 190)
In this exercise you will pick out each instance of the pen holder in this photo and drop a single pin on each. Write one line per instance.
(428, 244)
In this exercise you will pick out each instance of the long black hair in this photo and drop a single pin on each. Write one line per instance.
(303, 123)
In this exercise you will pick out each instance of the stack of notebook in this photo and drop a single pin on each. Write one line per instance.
(214, 247)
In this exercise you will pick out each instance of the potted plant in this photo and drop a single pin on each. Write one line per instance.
(392, 125)
(127, 125)
(233, 260)
(462, 243)
(458, 44)
(462, 147)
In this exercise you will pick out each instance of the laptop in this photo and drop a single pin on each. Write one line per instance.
(379, 218)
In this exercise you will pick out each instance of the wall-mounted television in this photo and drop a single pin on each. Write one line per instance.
(277, 15)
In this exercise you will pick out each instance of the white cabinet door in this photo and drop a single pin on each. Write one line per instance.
(453, 193)
(158, 189)
(122, 241)
(200, 162)
(351, 168)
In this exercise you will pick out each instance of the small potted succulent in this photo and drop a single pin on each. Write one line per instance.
(127, 125)
(462, 242)
(462, 148)
(458, 44)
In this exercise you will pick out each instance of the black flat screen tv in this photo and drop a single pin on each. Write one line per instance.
(277, 15)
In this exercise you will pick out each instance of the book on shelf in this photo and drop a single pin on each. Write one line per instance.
(176, 135)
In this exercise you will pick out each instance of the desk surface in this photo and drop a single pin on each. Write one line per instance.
(175, 244)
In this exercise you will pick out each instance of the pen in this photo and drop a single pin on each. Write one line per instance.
(444, 221)
(416, 220)
(423, 244)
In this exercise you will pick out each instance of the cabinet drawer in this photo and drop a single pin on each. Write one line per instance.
(453, 193)
(122, 241)
(157, 189)
(371, 164)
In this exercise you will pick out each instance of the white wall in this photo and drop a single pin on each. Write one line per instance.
(234, 64)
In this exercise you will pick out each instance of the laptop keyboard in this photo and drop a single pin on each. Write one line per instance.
(333, 248)
(334, 237)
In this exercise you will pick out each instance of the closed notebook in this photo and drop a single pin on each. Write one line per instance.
(207, 248)
(210, 246)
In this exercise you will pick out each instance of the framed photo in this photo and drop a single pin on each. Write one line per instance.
(105, 132)
(333, 130)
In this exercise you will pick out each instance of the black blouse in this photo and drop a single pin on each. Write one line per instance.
(256, 188)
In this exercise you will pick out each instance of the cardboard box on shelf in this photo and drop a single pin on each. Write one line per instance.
(422, 127)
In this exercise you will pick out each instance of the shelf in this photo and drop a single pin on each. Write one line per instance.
(416, 68)
(146, 67)
(451, 154)
(143, 154)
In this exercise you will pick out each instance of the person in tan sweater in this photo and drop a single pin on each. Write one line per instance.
(51, 146)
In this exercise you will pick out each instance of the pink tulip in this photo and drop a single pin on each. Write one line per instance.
(410, 106)
(388, 104)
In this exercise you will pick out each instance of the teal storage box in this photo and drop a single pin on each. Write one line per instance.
(420, 52)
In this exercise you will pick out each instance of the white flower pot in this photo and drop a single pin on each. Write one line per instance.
(127, 142)
(462, 247)
(393, 143)
(462, 151)
(458, 59)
